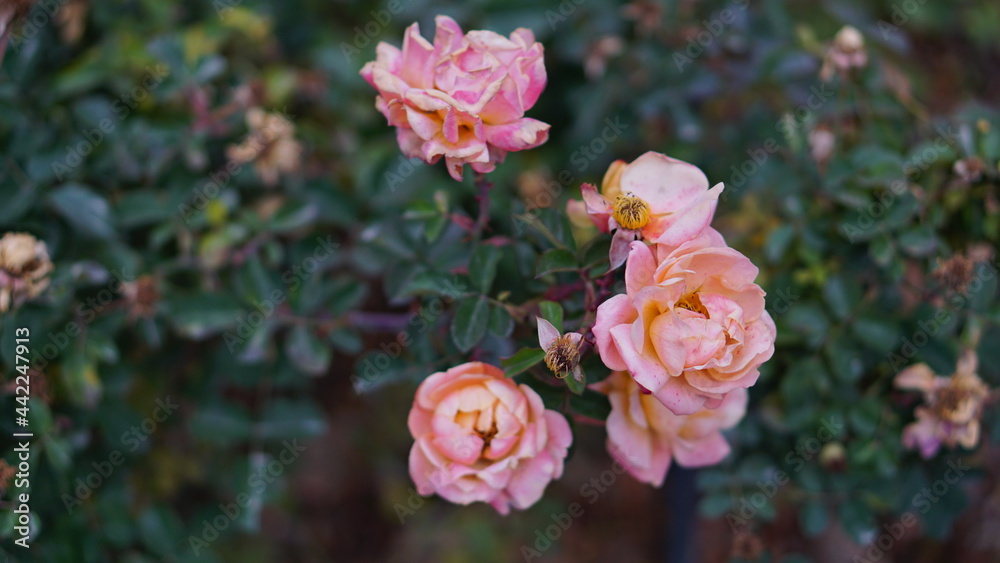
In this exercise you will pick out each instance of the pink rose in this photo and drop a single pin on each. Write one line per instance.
(462, 97)
(481, 437)
(656, 198)
(691, 326)
(644, 436)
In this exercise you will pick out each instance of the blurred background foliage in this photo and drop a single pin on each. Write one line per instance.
(302, 297)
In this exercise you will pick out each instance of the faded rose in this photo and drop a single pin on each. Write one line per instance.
(952, 409)
(691, 326)
(482, 437)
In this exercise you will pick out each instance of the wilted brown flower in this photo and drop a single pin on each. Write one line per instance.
(952, 406)
(955, 273)
(271, 145)
(142, 296)
(24, 267)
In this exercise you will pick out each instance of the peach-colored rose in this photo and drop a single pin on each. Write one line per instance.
(463, 96)
(644, 436)
(656, 198)
(482, 437)
(953, 406)
(691, 326)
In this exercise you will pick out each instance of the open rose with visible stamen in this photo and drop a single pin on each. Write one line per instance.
(462, 97)
(482, 437)
(691, 325)
(656, 198)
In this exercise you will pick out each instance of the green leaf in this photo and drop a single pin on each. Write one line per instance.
(592, 404)
(552, 312)
(577, 387)
(86, 211)
(555, 260)
(501, 323)
(291, 419)
(521, 360)
(483, 266)
(470, 322)
(307, 352)
(222, 424)
(292, 216)
(201, 315)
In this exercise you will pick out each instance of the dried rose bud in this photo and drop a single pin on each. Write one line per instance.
(562, 351)
(833, 456)
(24, 267)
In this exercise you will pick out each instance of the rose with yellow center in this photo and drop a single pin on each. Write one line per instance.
(691, 325)
(656, 198)
(481, 437)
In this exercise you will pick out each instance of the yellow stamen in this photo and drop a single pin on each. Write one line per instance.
(631, 212)
(692, 302)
